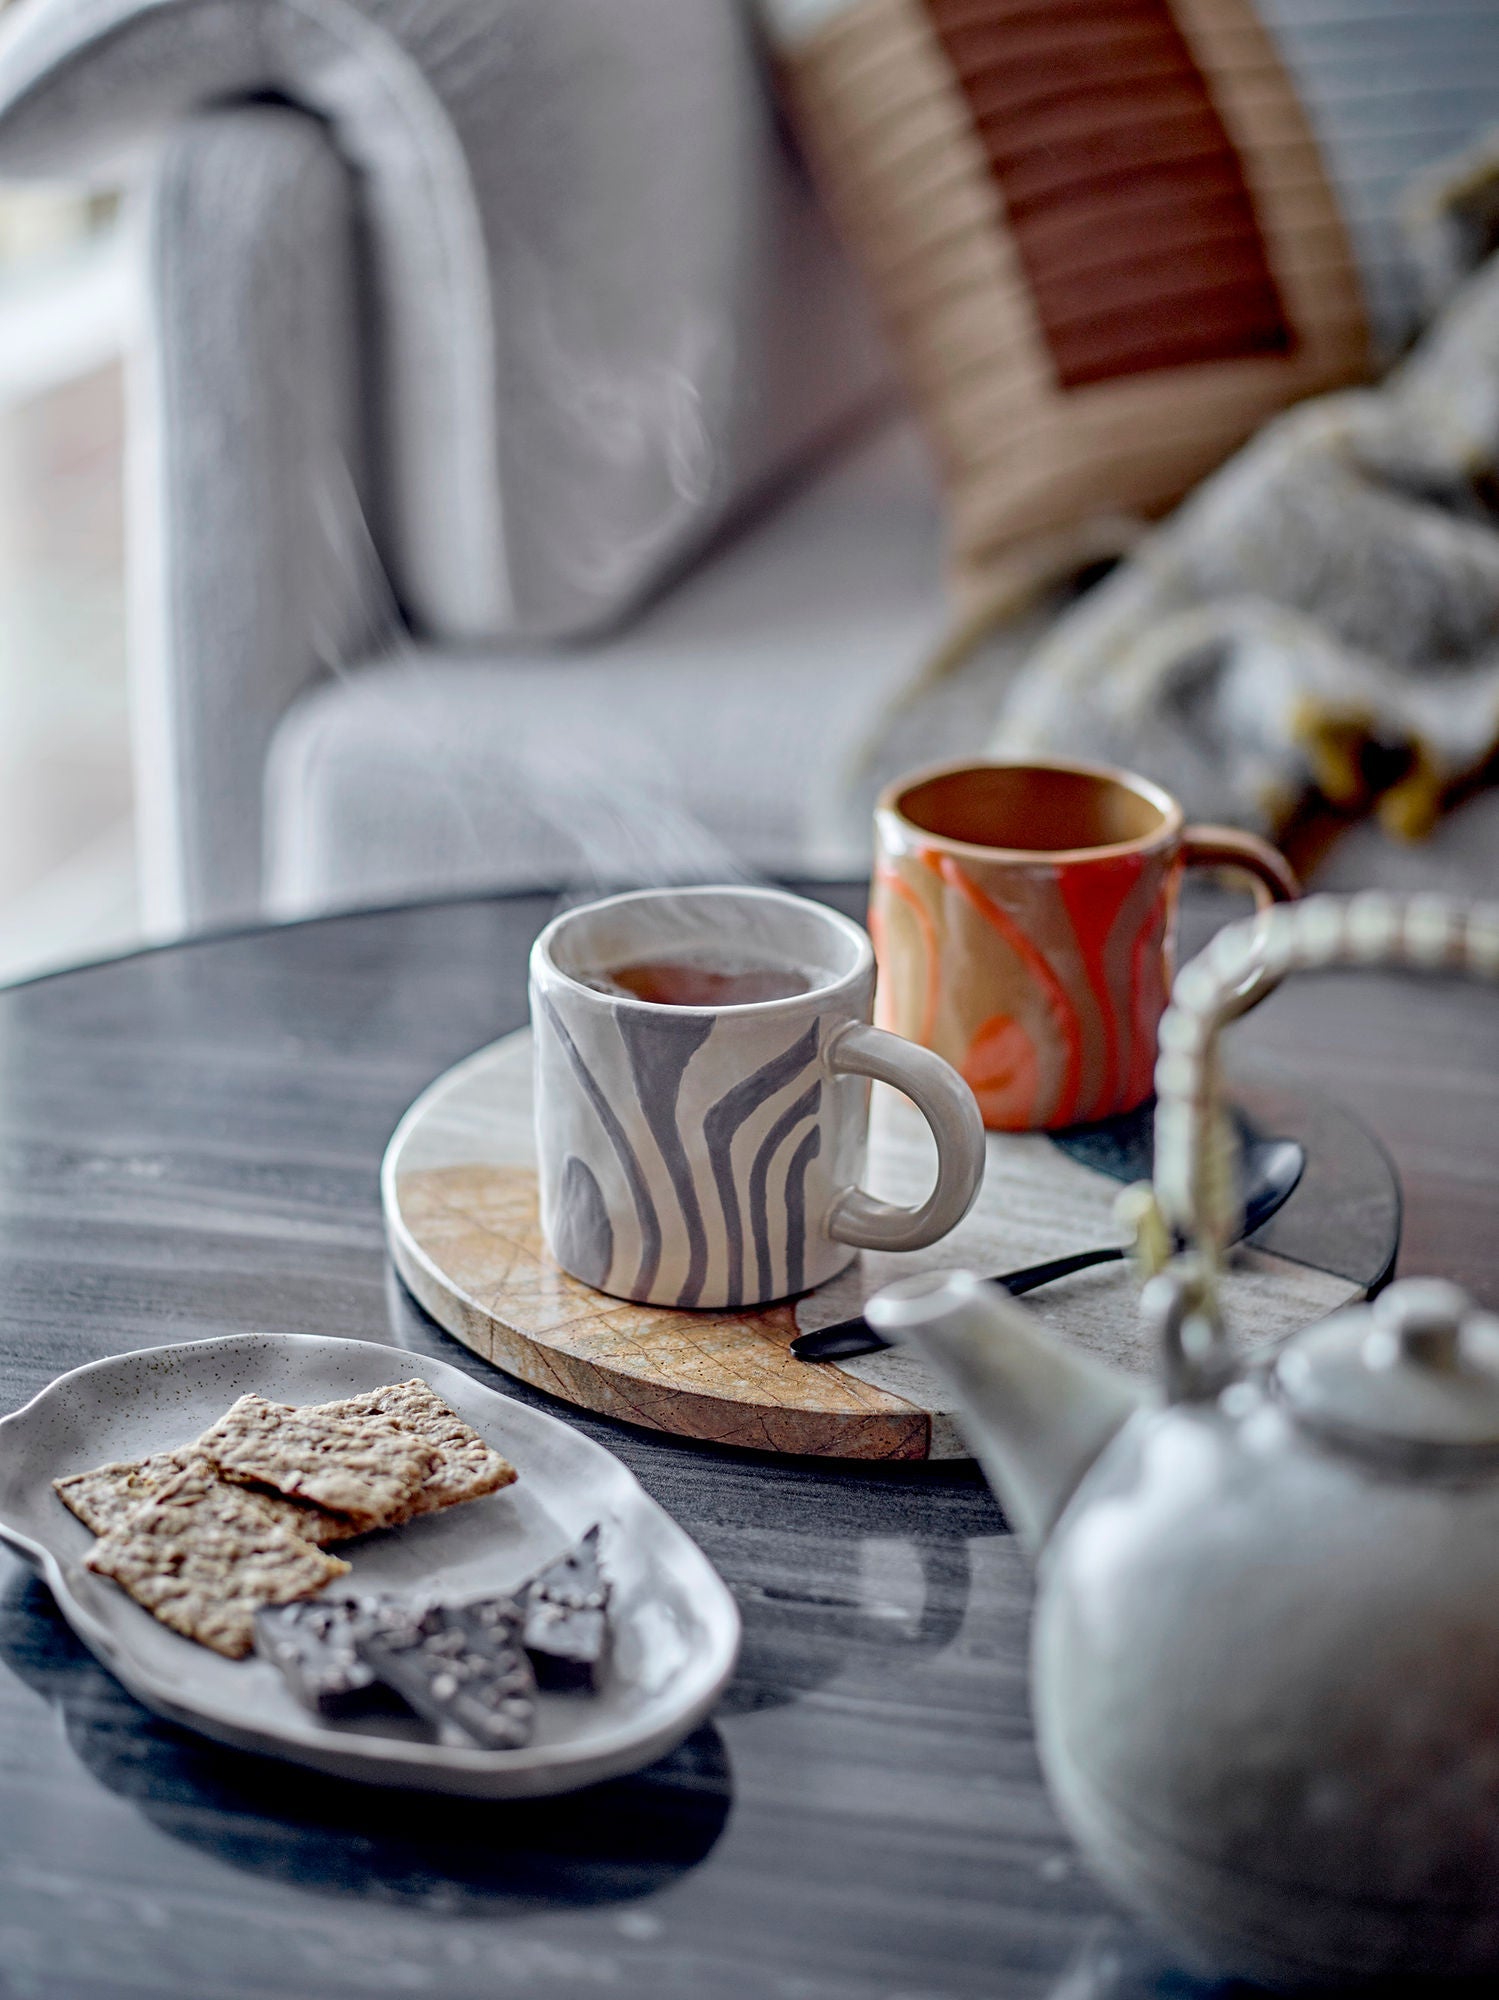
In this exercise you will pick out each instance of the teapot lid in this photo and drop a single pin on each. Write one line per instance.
(1420, 1367)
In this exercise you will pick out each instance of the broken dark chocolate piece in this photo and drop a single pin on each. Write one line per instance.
(565, 1646)
(462, 1668)
(566, 1631)
(311, 1643)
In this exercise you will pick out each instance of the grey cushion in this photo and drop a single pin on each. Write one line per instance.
(725, 731)
(742, 727)
(605, 308)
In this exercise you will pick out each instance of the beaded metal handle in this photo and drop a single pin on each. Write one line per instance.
(1196, 1197)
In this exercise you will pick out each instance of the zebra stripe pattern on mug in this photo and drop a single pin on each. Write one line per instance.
(716, 1182)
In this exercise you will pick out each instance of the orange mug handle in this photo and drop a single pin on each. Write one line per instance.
(1270, 876)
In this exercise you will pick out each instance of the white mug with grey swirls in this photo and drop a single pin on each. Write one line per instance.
(711, 1155)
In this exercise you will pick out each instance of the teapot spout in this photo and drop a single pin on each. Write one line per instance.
(1035, 1413)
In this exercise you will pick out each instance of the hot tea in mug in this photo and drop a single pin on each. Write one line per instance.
(717, 980)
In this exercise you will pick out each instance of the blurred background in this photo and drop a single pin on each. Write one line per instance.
(67, 855)
(574, 446)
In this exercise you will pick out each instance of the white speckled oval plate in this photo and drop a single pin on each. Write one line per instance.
(676, 1627)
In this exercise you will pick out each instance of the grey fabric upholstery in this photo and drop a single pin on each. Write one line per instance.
(723, 730)
(246, 577)
(522, 316)
(604, 308)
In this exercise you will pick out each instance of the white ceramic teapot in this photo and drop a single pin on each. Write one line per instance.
(1265, 1656)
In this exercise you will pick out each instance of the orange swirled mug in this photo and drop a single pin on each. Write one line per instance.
(1024, 919)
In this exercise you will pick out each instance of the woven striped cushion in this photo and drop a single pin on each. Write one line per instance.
(1112, 236)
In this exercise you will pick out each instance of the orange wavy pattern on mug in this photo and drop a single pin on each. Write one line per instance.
(890, 879)
(884, 1006)
(1142, 1053)
(1093, 898)
(1001, 1068)
(1035, 961)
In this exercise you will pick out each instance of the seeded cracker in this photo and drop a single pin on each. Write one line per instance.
(371, 1475)
(106, 1494)
(104, 1497)
(203, 1556)
(466, 1467)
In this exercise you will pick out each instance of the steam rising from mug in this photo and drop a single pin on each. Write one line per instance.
(543, 806)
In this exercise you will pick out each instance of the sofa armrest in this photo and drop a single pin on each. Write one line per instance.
(606, 309)
(250, 575)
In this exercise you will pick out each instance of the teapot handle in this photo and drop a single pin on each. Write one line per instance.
(1196, 1197)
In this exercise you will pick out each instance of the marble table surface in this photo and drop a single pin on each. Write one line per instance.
(189, 1146)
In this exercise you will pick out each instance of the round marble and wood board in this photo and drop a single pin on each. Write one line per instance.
(459, 1193)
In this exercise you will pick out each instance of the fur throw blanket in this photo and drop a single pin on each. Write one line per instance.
(1319, 622)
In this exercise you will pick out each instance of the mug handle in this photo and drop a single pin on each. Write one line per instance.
(1270, 876)
(948, 1106)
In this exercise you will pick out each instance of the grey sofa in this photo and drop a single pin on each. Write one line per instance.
(517, 497)
(520, 496)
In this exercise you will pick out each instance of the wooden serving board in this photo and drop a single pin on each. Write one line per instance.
(459, 1192)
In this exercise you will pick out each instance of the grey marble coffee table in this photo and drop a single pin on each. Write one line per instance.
(189, 1144)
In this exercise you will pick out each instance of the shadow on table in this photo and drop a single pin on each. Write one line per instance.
(1116, 1960)
(460, 1857)
(838, 1567)
(838, 1615)
(1119, 1960)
